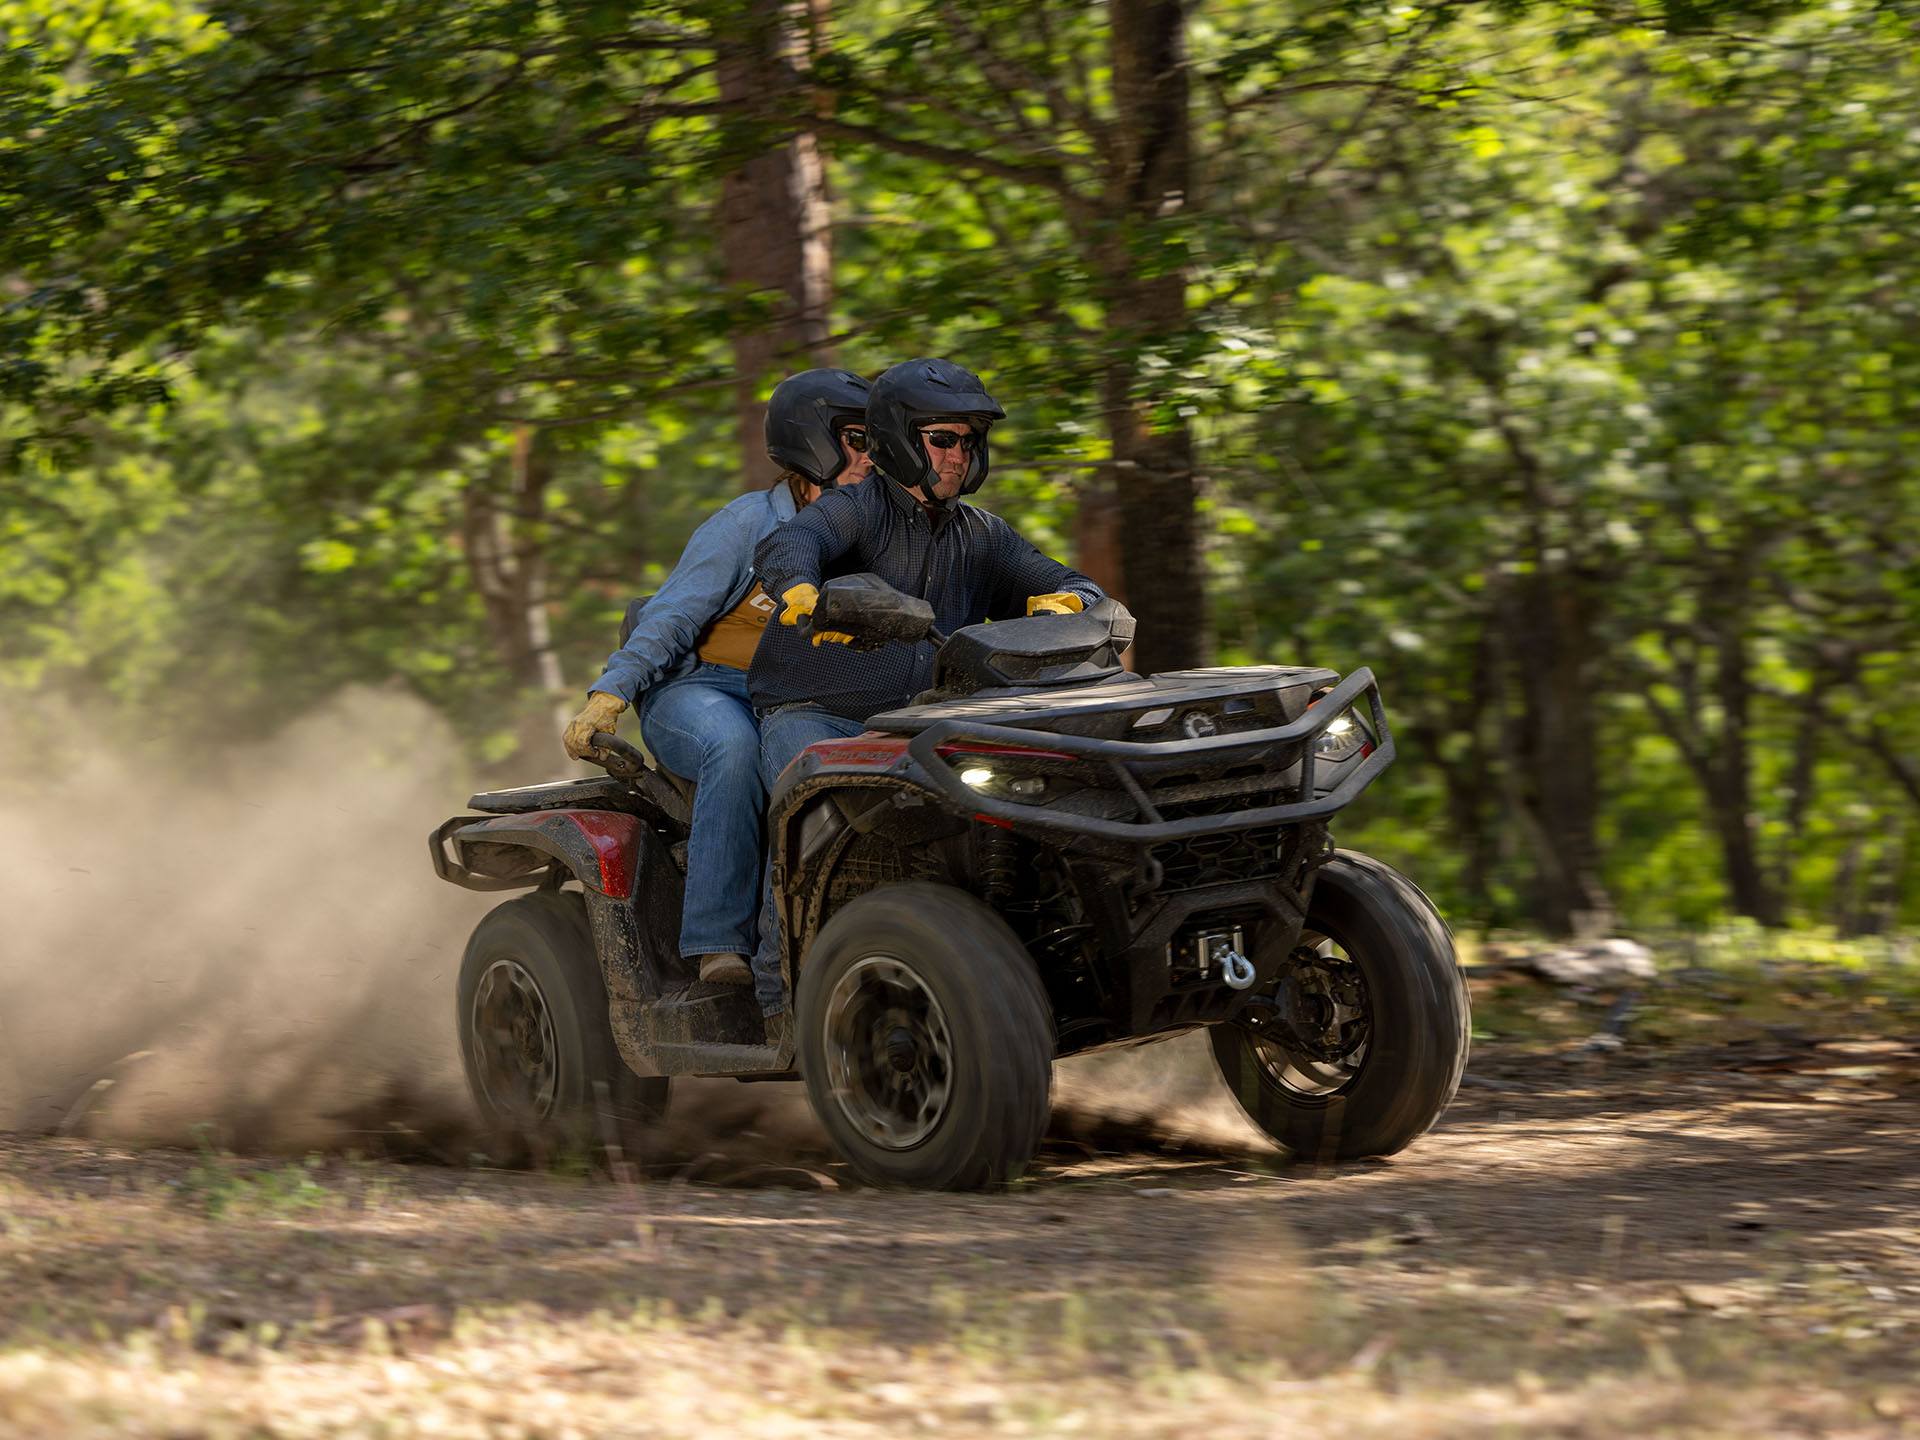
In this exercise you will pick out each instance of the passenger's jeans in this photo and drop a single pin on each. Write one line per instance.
(701, 727)
(784, 733)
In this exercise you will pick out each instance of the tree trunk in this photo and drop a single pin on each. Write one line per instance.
(1729, 780)
(1887, 888)
(1846, 888)
(1469, 781)
(1550, 638)
(774, 237)
(1096, 534)
(506, 560)
(1148, 194)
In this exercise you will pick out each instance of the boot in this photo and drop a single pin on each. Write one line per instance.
(725, 970)
(779, 1029)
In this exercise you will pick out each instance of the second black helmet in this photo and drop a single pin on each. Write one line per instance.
(805, 415)
(910, 395)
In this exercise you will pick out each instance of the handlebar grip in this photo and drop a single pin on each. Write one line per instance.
(623, 761)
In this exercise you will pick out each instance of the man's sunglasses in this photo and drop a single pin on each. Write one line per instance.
(947, 439)
(855, 438)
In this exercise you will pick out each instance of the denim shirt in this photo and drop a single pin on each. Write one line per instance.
(714, 575)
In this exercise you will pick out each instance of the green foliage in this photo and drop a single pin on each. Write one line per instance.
(220, 1185)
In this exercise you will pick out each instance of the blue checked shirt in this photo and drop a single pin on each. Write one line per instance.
(969, 565)
(714, 575)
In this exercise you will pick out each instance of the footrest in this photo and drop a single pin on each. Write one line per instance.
(706, 1014)
(760, 1061)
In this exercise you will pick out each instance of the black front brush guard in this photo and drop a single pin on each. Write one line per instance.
(1280, 747)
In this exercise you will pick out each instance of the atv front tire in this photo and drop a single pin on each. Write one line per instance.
(1377, 980)
(926, 1040)
(535, 1040)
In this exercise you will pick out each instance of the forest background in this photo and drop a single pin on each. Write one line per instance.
(1554, 359)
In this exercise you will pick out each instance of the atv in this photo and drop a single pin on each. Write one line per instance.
(1042, 856)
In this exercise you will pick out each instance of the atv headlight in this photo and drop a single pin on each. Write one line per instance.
(1007, 772)
(1344, 736)
(1003, 782)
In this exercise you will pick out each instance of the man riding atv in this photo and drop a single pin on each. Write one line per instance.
(927, 422)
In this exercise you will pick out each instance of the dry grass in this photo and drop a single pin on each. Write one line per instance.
(615, 1375)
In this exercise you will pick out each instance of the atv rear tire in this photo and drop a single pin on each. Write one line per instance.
(535, 1040)
(1366, 916)
(926, 1040)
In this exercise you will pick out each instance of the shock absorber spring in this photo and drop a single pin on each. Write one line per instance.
(999, 864)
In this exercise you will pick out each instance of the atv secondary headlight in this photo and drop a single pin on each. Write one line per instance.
(1007, 772)
(1020, 787)
(1344, 736)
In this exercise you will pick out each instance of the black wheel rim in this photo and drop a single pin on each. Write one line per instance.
(889, 1053)
(1316, 1043)
(516, 1062)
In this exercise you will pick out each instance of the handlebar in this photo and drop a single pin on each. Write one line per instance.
(623, 761)
(932, 635)
(874, 613)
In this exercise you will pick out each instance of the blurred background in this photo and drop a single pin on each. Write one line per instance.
(1555, 360)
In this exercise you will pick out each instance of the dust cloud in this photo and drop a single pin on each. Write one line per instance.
(1165, 1096)
(259, 947)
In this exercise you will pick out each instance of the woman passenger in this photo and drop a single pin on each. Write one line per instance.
(685, 664)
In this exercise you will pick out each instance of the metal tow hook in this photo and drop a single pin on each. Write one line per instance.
(1235, 969)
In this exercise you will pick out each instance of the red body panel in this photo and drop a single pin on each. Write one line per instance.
(872, 751)
(971, 747)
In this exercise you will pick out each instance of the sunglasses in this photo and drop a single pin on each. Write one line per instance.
(946, 439)
(855, 438)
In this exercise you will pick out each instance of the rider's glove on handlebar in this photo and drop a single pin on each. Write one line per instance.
(599, 715)
(800, 600)
(1061, 602)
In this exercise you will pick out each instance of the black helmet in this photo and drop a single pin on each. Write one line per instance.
(804, 416)
(910, 395)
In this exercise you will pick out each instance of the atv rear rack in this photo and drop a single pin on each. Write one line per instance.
(1281, 748)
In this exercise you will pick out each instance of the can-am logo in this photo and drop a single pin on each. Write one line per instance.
(1199, 725)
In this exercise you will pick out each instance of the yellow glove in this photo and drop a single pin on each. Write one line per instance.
(600, 714)
(1061, 602)
(800, 600)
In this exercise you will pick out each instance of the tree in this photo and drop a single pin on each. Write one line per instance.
(775, 238)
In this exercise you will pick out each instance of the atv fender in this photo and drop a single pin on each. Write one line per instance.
(623, 868)
(599, 848)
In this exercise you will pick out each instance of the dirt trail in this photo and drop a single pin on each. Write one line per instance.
(1699, 1243)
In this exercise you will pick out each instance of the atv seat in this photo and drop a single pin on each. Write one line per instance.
(653, 788)
(680, 783)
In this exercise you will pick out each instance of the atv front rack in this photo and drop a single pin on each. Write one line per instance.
(1132, 763)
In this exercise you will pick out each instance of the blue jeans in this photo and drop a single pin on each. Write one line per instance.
(784, 733)
(701, 727)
